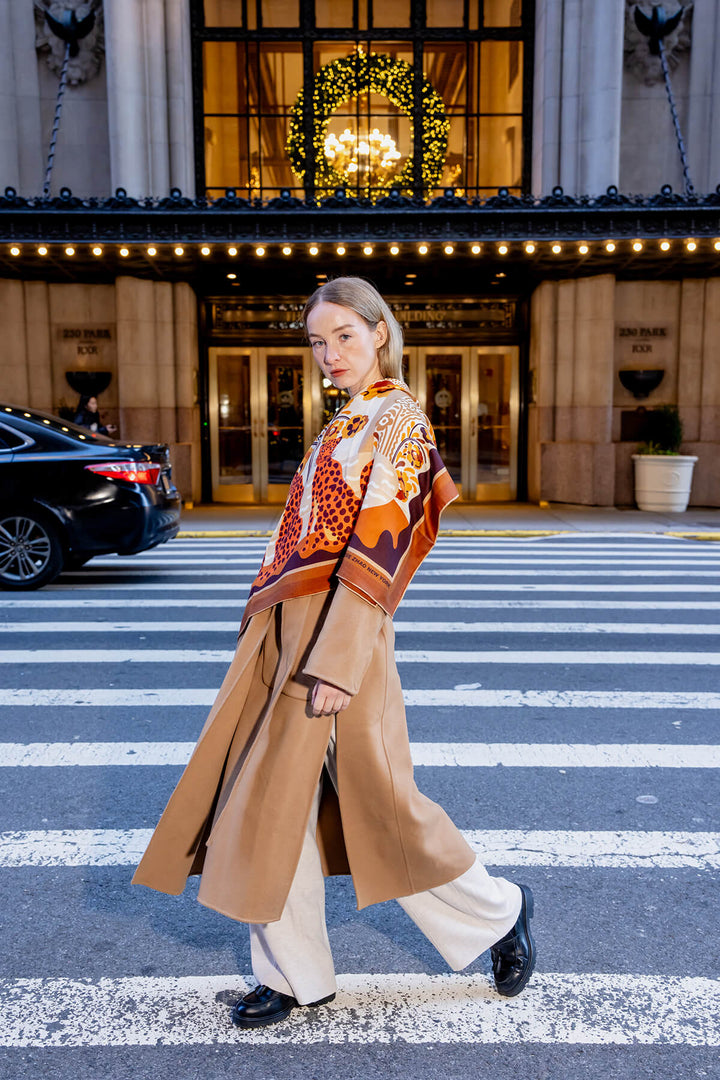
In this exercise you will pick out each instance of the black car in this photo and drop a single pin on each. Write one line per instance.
(67, 494)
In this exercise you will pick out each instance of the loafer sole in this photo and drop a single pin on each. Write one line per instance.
(273, 1018)
(528, 906)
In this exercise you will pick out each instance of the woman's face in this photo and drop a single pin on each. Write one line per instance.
(92, 404)
(345, 347)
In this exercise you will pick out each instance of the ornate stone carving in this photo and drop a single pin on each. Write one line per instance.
(638, 58)
(86, 64)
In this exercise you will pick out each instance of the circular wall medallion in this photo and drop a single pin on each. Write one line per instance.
(369, 73)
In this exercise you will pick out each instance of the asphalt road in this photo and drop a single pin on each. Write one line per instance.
(562, 702)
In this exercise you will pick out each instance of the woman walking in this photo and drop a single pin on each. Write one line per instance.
(303, 767)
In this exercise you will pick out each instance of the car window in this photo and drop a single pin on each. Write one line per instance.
(10, 439)
(28, 419)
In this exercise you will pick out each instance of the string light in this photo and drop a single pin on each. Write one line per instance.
(502, 249)
(152, 251)
(610, 246)
(260, 251)
(556, 249)
(637, 245)
(97, 250)
(691, 245)
(69, 250)
(583, 249)
(42, 250)
(179, 250)
(124, 252)
(476, 249)
(448, 249)
(530, 249)
(205, 250)
(394, 250)
(423, 249)
(664, 245)
(14, 250)
(287, 250)
(232, 251)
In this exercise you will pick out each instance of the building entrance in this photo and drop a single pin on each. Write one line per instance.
(267, 404)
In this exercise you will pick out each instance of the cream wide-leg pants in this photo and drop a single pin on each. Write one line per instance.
(461, 919)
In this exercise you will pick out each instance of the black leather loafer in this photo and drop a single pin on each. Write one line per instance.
(513, 956)
(266, 1006)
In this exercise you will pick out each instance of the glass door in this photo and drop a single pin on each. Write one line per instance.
(262, 405)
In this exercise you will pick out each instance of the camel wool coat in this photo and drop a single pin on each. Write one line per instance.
(239, 812)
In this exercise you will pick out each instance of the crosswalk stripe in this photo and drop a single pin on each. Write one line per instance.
(424, 754)
(402, 656)
(90, 576)
(497, 847)
(642, 629)
(172, 697)
(241, 587)
(496, 603)
(588, 1008)
(460, 560)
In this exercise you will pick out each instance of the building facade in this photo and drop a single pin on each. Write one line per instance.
(505, 171)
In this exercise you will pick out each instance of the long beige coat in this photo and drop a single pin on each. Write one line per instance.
(239, 812)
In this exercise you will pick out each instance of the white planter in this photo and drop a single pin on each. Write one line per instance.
(662, 481)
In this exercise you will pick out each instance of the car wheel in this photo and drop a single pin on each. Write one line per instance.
(31, 554)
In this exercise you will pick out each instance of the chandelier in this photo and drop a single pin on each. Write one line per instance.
(372, 158)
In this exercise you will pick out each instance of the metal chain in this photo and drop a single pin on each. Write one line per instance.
(56, 122)
(689, 186)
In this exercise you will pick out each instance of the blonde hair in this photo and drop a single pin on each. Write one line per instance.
(363, 298)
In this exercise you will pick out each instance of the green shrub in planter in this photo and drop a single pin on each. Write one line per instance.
(663, 431)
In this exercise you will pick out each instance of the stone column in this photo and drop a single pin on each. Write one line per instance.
(578, 94)
(139, 393)
(39, 348)
(21, 159)
(179, 96)
(186, 453)
(703, 126)
(14, 379)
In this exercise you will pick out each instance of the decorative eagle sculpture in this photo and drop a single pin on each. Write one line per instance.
(70, 29)
(656, 26)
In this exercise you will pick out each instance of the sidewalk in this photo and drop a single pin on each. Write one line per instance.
(506, 519)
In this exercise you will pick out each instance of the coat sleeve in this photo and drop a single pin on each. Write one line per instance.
(341, 655)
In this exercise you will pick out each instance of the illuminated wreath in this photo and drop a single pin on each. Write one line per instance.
(376, 73)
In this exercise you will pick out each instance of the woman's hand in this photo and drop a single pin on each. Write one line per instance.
(327, 699)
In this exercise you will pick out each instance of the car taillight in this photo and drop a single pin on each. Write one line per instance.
(137, 472)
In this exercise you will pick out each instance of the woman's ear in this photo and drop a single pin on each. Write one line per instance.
(381, 334)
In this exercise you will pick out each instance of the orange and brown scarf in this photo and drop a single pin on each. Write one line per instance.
(363, 507)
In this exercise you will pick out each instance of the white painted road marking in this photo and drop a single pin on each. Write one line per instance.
(172, 697)
(464, 754)
(549, 604)
(402, 656)
(557, 1008)
(138, 627)
(240, 587)
(88, 575)
(557, 848)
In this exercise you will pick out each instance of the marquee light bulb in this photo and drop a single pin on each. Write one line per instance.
(610, 246)
(287, 250)
(260, 251)
(448, 249)
(340, 249)
(205, 250)
(14, 250)
(583, 249)
(476, 249)
(179, 250)
(394, 250)
(423, 249)
(124, 252)
(69, 250)
(716, 245)
(664, 245)
(637, 245)
(42, 250)
(314, 250)
(691, 245)
(97, 250)
(232, 251)
(556, 249)
(367, 250)
(502, 249)
(530, 249)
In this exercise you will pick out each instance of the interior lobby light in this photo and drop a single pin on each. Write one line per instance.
(583, 249)
(394, 250)
(205, 250)
(530, 249)
(691, 245)
(314, 249)
(69, 250)
(556, 249)
(476, 249)
(14, 250)
(423, 249)
(42, 250)
(260, 251)
(367, 249)
(287, 250)
(232, 276)
(610, 246)
(665, 245)
(502, 249)
(448, 249)
(637, 245)
(97, 250)
(232, 251)
(179, 250)
(152, 251)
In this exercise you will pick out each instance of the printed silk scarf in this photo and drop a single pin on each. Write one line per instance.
(363, 507)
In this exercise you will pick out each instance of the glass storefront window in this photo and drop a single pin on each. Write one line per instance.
(272, 13)
(502, 12)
